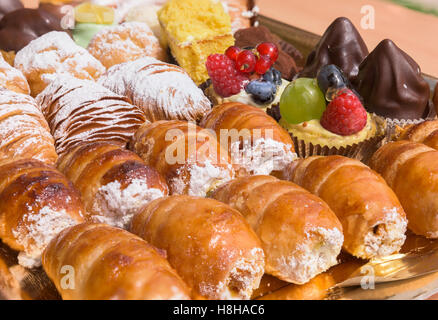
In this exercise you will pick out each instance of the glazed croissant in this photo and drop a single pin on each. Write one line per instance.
(163, 91)
(24, 133)
(373, 220)
(411, 170)
(300, 235)
(36, 203)
(189, 157)
(210, 244)
(81, 110)
(12, 79)
(114, 183)
(258, 143)
(425, 132)
(99, 262)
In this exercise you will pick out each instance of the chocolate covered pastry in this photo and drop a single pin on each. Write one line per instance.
(7, 6)
(435, 97)
(340, 45)
(391, 84)
(20, 27)
(251, 37)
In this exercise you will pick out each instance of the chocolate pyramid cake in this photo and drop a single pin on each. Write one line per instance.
(391, 84)
(340, 45)
(9, 6)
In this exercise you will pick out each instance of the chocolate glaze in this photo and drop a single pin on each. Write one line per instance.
(251, 37)
(21, 26)
(391, 84)
(435, 98)
(7, 6)
(341, 45)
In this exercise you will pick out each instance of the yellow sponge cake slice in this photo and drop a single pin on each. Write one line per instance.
(195, 29)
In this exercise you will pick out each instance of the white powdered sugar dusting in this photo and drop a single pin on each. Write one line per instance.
(164, 91)
(202, 179)
(56, 53)
(130, 39)
(23, 130)
(11, 76)
(243, 278)
(37, 231)
(307, 260)
(263, 156)
(116, 206)
(389, 235)
(82, 110)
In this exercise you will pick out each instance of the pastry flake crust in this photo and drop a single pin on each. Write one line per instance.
(110, 264)
(411, 170)
(82, 110)
(187, 156)
(126, 42)
(210, 245)
(53, 54)
(163, 91)
(33, 207)
(265, 148)
(372, 217)
(300, 235)
(24, 133)
(114, 183)
(12, 79)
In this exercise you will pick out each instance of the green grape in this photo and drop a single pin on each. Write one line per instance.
(302, 100)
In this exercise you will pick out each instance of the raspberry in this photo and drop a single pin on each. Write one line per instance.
(345, 114)
(226, 80)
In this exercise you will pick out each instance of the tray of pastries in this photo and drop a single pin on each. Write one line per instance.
(152, 150)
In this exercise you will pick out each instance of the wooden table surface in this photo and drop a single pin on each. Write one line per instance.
(412, 31)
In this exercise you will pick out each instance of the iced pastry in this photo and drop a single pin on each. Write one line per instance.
(286, 64)
(89, 20)
(194, 30)
(341, 45)
(126, 42)
(20, 27)
(7, 6)
(391, 84)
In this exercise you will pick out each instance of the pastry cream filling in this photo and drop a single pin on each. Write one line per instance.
(312, 132)
(245, 98)
(193, 20)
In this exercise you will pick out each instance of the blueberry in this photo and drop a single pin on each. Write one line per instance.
(262, 91)
(331, 77)
(269, 76)
(274, 76)
(277, 77)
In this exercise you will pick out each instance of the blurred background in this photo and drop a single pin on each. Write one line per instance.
(411, 24)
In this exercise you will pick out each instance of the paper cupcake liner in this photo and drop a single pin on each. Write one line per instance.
(362, 151)
(394, 127)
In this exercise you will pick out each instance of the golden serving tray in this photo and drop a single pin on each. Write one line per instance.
(412, 274)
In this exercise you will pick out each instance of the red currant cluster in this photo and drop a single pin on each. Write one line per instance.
(259, 60)
(230, 72)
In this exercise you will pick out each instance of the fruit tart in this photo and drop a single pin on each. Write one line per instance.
(246, 76)
(326, 117)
